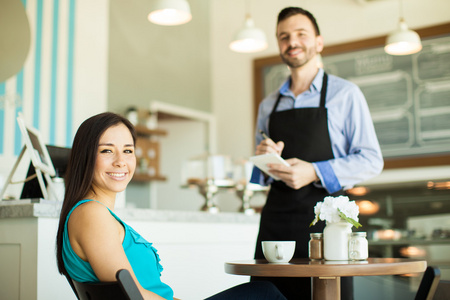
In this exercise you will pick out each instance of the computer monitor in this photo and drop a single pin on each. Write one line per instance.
(36, 148)
(59, 157)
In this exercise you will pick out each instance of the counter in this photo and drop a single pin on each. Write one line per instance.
(193, 247)
(51, 209)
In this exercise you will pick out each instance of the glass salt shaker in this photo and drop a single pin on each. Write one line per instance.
(315, 246)
(358, 246)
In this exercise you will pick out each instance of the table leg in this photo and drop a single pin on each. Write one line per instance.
(326, 288)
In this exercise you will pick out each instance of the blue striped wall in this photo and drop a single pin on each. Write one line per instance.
(43, 89)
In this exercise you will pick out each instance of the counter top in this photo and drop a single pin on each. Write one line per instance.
(29, 208)
(40, 208)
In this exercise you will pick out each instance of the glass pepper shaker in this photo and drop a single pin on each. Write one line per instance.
(315, 246)
(358, 246)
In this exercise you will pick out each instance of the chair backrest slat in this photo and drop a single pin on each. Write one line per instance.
(123, 289)
(128, 285)
(429, 283)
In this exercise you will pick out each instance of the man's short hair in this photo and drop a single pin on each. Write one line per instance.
(292, 11)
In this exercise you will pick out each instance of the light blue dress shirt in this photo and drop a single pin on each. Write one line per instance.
(353, 139)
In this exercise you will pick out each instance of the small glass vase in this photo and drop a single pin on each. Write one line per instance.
(335, 240)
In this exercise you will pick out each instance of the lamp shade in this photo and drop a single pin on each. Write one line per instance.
(170, 12)
(249, 38)
(403, 41)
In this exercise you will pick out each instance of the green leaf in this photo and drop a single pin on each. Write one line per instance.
(350, 220)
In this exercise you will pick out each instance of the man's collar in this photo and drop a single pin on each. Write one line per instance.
(318, 80)
(316, 84)
(284, 89)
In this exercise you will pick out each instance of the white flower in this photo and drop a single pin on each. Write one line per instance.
(335, 209)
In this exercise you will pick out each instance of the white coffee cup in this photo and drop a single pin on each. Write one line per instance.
(278, 251)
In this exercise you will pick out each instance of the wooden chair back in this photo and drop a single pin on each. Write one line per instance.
(123, 289)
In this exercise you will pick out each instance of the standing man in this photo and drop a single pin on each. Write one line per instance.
(321, 125)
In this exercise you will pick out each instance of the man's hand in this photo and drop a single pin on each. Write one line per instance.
(269, 146)
(298, 175)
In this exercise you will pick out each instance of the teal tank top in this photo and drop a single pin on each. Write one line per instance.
(142, 256)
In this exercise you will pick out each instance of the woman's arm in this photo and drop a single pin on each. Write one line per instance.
(96, 237)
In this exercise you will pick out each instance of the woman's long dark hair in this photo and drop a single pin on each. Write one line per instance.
(80, 169)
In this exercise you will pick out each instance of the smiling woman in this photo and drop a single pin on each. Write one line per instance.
(93, 243)
(115, 163)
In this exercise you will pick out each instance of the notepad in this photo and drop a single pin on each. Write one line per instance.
(261, 162)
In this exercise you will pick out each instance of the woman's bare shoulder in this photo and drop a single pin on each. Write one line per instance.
(90, 213)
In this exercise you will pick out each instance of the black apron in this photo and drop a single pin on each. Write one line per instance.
(287, 213)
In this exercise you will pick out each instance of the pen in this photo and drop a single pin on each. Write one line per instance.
(264, 135)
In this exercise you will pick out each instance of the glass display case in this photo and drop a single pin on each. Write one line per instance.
(409, 220)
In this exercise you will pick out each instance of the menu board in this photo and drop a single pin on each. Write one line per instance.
(408, 96)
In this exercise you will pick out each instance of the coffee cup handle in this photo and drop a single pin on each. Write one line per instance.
(279, 251)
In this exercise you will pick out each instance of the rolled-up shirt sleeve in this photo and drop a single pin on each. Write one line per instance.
(357, 153)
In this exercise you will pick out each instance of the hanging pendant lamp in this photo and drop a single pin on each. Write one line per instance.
(403, 41)
(249, 39)
(170, 12)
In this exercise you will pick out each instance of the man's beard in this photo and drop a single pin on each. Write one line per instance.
(296, 62)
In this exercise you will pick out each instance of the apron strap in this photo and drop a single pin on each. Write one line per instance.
(276, 104)
(323, 92)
